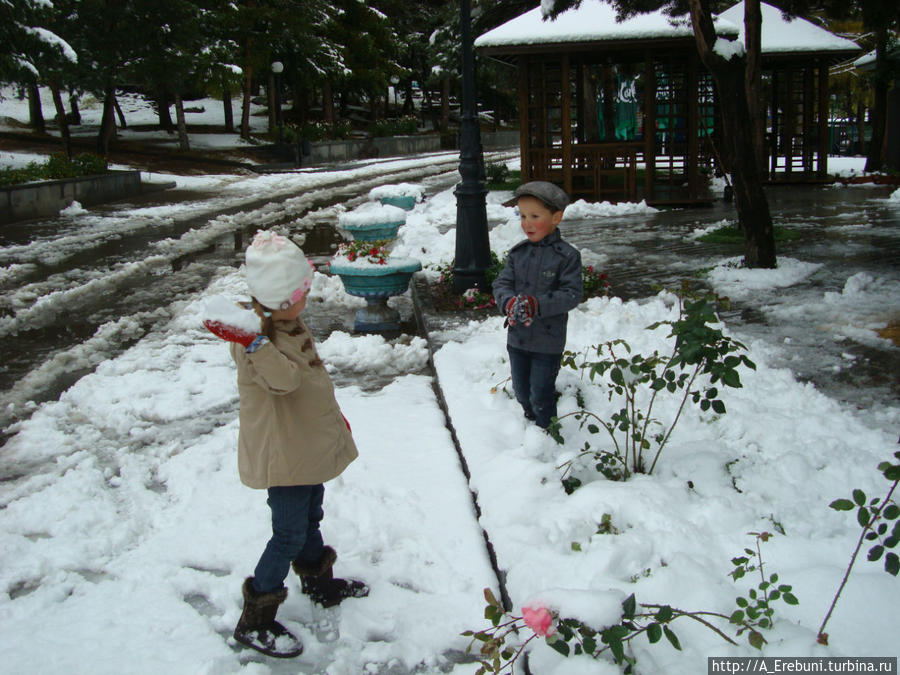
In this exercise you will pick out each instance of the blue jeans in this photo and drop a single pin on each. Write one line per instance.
(296, 514)
(534, 383)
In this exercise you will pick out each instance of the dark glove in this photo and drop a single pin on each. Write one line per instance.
(230, 333)
(524, 310)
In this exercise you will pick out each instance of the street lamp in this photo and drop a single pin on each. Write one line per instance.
(277, 68)
(473, 249)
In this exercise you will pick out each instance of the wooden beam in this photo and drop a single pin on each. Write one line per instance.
(649, 125)
(566, 122)
(524, 136)
(822, 167)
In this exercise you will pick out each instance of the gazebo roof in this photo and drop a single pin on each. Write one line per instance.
(593, 21)
(790, 36)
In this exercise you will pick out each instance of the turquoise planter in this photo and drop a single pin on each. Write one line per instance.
(405, 203)
(376, 285)
(374, 232)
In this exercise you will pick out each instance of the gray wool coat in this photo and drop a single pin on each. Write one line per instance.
(549, 270)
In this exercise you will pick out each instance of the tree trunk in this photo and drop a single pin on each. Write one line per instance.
(328, 102)
(875, 158)
(445, 104)
(107, 122)
(752, 206)
(860, 148)
(162, 111)
(183, 142)
(245, 103)
(753, 79)
(119, 113)
(74, 112)
(270, 96)
(35, 113)
(61, 119)
(229, 113)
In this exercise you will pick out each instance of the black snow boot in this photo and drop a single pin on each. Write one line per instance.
(318, 582)
(257, 627)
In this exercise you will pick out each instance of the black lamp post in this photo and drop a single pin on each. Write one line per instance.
(277, 67)
(473, 249)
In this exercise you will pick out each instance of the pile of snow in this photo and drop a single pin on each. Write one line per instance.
(398, 190)
(372, 213)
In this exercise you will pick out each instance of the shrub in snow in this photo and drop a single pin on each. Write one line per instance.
(610, 629)
(702, 358)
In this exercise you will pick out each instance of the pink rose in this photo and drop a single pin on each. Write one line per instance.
(539, 619)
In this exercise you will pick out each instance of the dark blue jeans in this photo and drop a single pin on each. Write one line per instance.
(296, 514)
(534, 383)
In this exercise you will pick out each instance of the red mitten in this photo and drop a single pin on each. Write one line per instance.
(230, 333)
(527, 310)
(511, 311)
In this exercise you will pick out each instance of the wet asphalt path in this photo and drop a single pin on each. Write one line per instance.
(78, 291)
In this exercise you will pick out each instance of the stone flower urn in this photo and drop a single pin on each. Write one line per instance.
(402, 195)
(372, 221)
(375, 283)
(366, 268)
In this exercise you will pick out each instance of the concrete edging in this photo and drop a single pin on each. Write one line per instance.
(48, 198)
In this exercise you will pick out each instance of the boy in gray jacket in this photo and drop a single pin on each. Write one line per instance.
(537, 288)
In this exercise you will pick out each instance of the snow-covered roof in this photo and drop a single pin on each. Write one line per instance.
(780, 35)
(593, 21)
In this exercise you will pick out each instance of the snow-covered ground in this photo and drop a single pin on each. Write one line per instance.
(125, 532)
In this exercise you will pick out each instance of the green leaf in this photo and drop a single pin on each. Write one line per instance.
(664, 614)
(718, 407)
(756, 639)
(841, 505)
(859, 497)
(561, 646)
(891, 511)
(892, 563)
(672, 637)
(862, 516)
(875, 553)
(654, 633)
(742, 602)
(791, 599)
(590, 645)
(893, 473)
(737, 617)
(731, 379)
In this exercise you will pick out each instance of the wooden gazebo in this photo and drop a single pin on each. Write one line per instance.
(599, 97)
(796, 56)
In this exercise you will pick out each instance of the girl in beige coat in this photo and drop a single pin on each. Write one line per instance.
(292, 439)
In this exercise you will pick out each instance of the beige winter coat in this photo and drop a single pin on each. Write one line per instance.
(291, 429)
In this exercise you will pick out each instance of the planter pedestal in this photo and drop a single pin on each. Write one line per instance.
(376, 284)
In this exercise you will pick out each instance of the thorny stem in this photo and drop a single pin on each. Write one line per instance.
(603, 424)
(762, 575)
(665, 440)
(653, 400)
(862, 535)
(696, 617)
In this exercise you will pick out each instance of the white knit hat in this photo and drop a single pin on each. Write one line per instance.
(278, 273)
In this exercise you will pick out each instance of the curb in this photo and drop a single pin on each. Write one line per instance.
(422, 306)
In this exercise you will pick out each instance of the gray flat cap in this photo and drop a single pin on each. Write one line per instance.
(552, 195)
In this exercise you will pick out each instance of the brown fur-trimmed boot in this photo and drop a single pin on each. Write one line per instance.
(257, 627)
(318, 582)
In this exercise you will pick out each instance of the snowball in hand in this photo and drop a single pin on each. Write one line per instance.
(228, 320)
